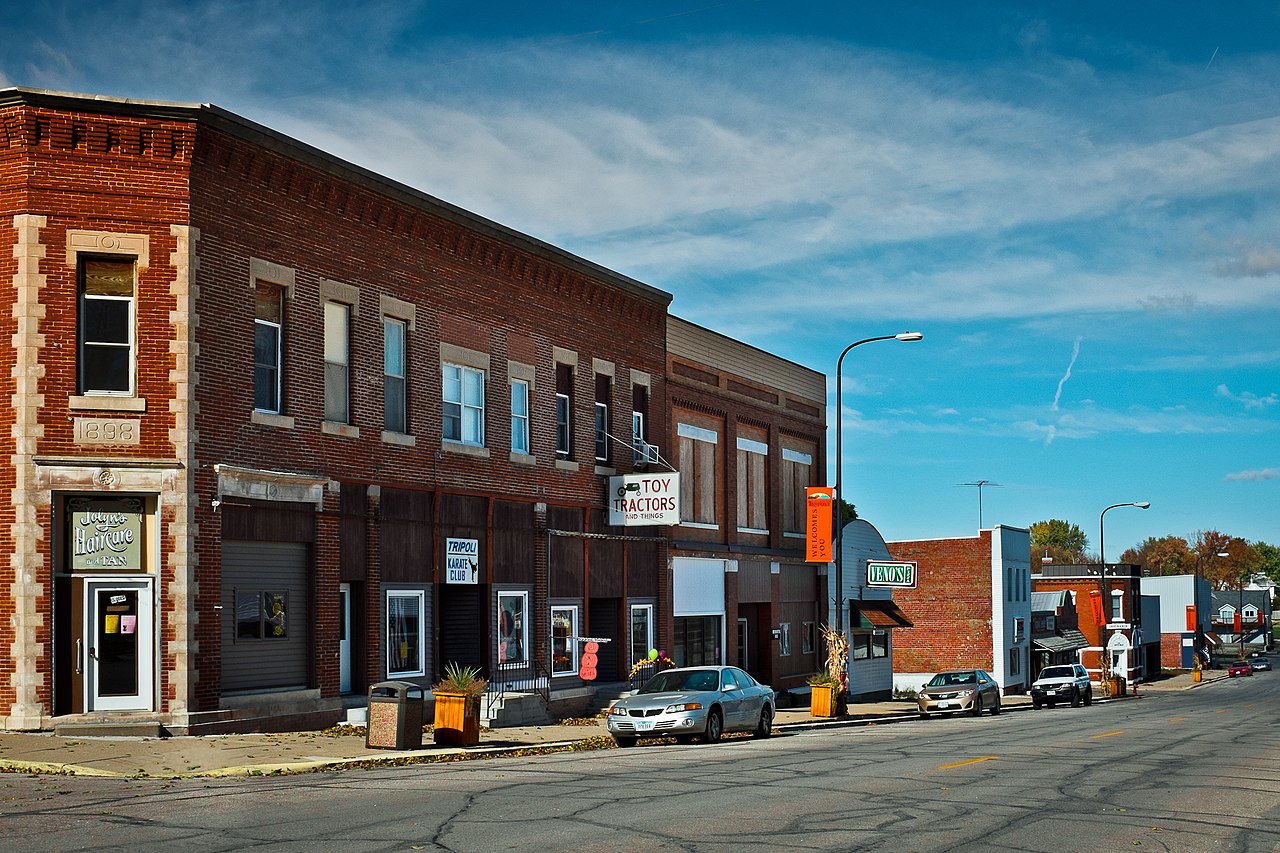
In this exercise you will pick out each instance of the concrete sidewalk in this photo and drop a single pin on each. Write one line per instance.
(301, 752)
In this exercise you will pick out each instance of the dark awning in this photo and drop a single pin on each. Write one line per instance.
(879, 614)
(1070, 641)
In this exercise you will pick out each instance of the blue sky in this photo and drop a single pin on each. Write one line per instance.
(1076, 203)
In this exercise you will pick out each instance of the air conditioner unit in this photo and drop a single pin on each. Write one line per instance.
(645, 453)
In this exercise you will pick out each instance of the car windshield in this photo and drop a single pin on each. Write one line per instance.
(951, 679)
(1058, 672)
(682, 679)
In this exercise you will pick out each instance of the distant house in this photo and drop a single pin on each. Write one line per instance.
(1253, 630)
(1055, 634)
(971, 609)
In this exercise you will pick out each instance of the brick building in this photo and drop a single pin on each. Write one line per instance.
(971, 608)
(281, 427)
(1120, 624)
(747, 433)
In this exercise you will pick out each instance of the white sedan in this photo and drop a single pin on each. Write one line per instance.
(702, 700)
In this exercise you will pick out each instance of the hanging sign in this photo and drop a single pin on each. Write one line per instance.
(590, 659)
(817, 524)
(882, 573)
(462, 561)
(644, 499)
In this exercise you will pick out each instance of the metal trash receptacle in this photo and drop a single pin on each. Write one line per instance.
(395, 717)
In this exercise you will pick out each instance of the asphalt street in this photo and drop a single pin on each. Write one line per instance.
(1190, 771)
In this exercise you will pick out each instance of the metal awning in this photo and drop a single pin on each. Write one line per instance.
(1070, 641)
(881, 613)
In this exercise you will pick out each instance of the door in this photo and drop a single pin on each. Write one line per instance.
(344, 637)
(119, 659)
(744, 660)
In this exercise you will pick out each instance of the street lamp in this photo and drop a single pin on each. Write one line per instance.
(901, 336)
(1104, 666)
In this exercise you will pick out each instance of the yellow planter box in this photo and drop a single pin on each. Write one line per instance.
(822, 701)
(457, 719)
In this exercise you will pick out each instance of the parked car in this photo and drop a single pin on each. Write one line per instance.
(969, 690)
(1260, 664)
(1240, 667)
(690, 701)
(1062, 683)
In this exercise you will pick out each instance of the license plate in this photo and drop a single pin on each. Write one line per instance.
(1050, 692)
(644, 725)
(944, 704)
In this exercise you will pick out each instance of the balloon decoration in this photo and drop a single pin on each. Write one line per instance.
(653, 654)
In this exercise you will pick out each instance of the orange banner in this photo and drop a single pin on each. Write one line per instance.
(817, 538)
(1191, 617)
(1095, 599)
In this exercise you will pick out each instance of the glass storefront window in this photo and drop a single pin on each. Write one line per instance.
(564, 640)
(405, 635)
(513, 628)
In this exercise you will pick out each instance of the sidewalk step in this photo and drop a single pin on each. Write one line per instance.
(139, 728)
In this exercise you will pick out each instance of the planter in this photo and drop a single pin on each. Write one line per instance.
(822, 701)
(457, 719)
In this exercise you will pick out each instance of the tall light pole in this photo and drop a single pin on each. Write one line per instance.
(839, 515)
(1104, 665)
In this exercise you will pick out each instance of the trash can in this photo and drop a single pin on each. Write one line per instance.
(395, 717)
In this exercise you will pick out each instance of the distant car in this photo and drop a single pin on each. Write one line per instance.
(702, 700)
(1240, 667)
(1260, 664)
(969, 690)
(1062, 683)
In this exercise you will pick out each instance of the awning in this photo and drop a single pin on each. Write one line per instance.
(1212, 638)
(879, 614)
(1070, 641)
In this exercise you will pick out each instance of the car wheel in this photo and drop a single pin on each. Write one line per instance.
(1088, 697)
(977, 706)
(1075, 698)
(624, 742)
(995, 709)
(715, 726)
(1037, 704)
(765, 726)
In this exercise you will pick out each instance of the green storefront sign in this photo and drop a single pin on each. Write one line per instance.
(105, 534)
(891, 574)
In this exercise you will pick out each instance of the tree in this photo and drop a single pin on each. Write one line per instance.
(1168, 555)
(1228, 572)
(1061, 540)
(1268, 559)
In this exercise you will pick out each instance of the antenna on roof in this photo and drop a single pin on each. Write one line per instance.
(980, 484)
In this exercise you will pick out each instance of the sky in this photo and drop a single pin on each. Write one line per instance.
(1075, 203)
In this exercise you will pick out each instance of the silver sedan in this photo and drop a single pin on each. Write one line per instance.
(969, 690)
(683, 703)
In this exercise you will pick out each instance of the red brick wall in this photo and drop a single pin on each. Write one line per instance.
(951, 606)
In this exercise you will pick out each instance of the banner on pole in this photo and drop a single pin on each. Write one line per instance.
(818, 500)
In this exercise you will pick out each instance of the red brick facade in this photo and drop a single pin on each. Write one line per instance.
(950, 607)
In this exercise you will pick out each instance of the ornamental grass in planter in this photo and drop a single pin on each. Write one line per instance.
(457, 712)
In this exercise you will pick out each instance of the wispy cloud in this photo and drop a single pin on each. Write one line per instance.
(1248, 399)
(1057, 395)
(1251, 476)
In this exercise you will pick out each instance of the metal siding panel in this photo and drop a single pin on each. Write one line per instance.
(267, 567)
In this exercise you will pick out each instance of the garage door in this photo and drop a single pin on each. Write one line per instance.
(265, 615)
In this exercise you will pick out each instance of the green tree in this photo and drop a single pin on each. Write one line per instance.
(1268, 559)
(1062, 541)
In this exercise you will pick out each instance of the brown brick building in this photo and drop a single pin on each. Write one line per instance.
(282, 427)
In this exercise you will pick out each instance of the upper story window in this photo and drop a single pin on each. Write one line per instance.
(1117, 605)
(1249, 613)
(519, 416)
(394, 392)
(604, 390)
(337, 358)
(639, 413)
(697, 474)
(106, 327)
(753, 516)
(797, 466)
(564, 411)
(267, 327)
(463, 396)
(1226, 613)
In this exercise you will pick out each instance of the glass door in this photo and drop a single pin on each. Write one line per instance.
(344, 637)
(120, 658)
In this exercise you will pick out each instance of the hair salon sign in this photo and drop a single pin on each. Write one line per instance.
(105, 534)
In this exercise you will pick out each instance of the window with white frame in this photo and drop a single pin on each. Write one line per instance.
(641, 631)
(1226, 614)
(1249, 613)
(463, 411)
(753, 502)
(639, 405)
(106, 327)
(564, 640)
(267, 327)
(794, 481)
(1117, 605)
(406, 633)
(519, 416)
(604, 393)
(564, 411)
(698, 474)
(394, 392)
(513, 628)
(337, 358)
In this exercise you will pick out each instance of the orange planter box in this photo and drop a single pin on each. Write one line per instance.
(457, 719)
(822, 701)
